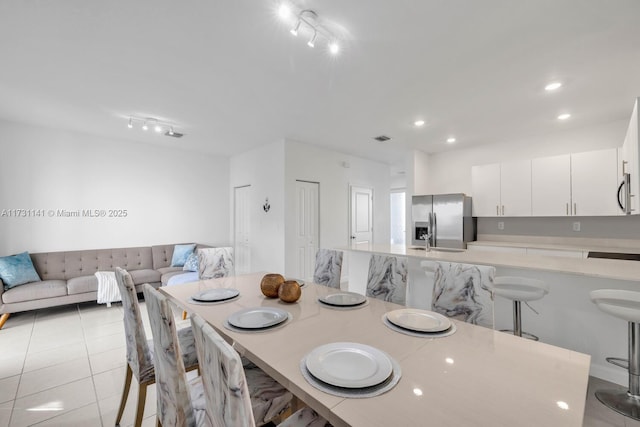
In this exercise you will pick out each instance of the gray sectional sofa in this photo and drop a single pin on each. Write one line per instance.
(68, 277)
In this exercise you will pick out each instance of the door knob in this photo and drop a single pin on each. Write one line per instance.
(353, 237)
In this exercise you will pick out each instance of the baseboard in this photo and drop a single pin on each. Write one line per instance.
(610, 373)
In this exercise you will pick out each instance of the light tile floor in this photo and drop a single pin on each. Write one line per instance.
(65, 367)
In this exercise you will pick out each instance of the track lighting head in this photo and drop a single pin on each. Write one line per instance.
(334, 48)
(295, 29)
(130, 125)
(312, 42)
(158, 126)
(144, 126)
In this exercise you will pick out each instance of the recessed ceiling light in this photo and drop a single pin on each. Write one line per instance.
(284, 11)
(564, 116)
(418, 123)
(451, 140)
(553, 86)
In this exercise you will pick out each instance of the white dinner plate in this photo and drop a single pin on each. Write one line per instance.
(419, 320)
(343, 299)
(258, 317)
(213, 295)
(349, 365)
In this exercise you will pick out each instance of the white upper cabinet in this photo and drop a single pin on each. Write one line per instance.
(594, 181)
(515, 188)
(631, 157)
(485, 184)
(551, 186)
(502, 189)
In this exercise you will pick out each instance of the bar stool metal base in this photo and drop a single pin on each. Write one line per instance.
(526, 335)
(620, 401)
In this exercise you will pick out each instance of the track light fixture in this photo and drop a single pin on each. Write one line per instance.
(158, 125)
(311, 21)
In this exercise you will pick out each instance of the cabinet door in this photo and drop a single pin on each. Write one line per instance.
(515, 188)
(594, 183)
(485, 185)
(631, 155)
(551, 186)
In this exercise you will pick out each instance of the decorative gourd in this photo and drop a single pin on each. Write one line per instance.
(270, 284)
(289, 291)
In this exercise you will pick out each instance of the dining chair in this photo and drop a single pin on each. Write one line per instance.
(388, 278)
(462, 291)
(328, 268)
(179, 402)
(229, 402)
(140, 357)
(215, 262)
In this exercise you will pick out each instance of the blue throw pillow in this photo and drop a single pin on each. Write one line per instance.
(180, 254)
(191, 264)
(17, 270)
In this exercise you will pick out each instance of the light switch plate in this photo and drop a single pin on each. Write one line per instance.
(500, 225)
(576, 226)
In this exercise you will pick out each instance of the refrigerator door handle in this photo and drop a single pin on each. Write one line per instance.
(435, 230)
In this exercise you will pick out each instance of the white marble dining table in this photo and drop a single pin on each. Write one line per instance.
(475, 377)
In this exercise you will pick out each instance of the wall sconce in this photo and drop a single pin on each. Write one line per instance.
(266, 207)
(158, 126)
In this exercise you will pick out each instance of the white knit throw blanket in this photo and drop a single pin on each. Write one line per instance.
(107, 287)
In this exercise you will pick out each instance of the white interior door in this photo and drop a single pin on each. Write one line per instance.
(307, 225)
(361, 215)
(242, 236)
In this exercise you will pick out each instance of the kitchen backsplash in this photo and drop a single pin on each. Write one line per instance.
(612, 227)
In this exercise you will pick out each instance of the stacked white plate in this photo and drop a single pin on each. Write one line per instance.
(416, 320)
(349, 365)
(258, 318)
(343, 299)
(215, 295)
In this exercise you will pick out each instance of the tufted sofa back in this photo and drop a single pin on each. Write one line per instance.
(67, 265)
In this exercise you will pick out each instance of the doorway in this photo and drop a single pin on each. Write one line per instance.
(307, 228)
(398, 217)
(242, 235)
(361, 212)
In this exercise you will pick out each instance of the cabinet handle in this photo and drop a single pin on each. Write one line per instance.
(624, 162)
(567, 209)
(575, 209)
(497, 210)
(502, 209)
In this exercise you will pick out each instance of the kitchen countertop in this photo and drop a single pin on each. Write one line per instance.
(559, 243)
(594, 267)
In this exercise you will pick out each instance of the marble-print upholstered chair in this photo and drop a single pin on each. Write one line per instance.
(215, 262)
(228, 400)
(179, 402)
(388, 278)
(462, 291)
(328, 268)
(140, 360)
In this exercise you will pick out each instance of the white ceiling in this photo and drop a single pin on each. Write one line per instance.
(231, 77)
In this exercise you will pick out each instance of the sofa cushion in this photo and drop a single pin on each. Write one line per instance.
(165, 270)
(80, 285)
(144, 276)
(35, 290)
(17, 270)
(169, 275)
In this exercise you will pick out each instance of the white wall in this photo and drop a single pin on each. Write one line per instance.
(450, 172)
(170, 195)
(263, 169)
(312, 163)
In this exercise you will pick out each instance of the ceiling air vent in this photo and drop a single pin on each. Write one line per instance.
(174, 134)
(382, 138)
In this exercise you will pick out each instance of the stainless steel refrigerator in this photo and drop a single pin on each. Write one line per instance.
(443, 220)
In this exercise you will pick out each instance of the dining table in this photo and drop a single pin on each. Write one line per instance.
(473, 377)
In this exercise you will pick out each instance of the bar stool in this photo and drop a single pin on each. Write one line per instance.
(519, 289)
(624, 305)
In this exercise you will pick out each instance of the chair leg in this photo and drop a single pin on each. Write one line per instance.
(142, 397)
(3, 319)
(125, 393)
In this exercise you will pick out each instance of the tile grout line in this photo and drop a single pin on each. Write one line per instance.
(24, 360)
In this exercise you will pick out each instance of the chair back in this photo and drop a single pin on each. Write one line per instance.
(139, 355)
(225, 385)
(462, 291)
(215, 262)
(173, 399)
(388, 278)
(328, 268)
